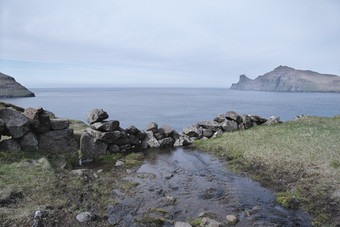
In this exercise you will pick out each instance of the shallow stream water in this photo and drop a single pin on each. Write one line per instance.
(181, 184)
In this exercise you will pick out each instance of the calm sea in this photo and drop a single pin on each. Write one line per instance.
(177, 107)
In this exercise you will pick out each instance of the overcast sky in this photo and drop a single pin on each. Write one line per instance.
(166, 43)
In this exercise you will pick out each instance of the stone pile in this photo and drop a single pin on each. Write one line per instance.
(34, 130)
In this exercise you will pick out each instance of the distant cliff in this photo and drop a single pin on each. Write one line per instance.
(9, 88)
(286, 79)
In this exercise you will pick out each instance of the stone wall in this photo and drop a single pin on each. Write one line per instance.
(107, 137)
(33, 130)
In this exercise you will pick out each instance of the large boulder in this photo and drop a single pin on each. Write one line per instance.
(2, 127)
(109, 137)
(167, 142)
(16, 124)
(231, 115)
(10, 145)
(153, 127)
(39, 119)
(91, 147)
(113, 148)
(229, 126)
(257, 119)
(59, 124)
(61, 141)
(132, 130)
(29, 142)
(213, 125)
(208, 133)
(106, 126)
(168, 131)
(151, 141)
(246, 121)
(193, 131)
(184, 140)
(96, 115)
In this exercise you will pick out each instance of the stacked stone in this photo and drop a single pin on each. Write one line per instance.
(34, 130)
(107, 137)
(160, 137)
(231, 121)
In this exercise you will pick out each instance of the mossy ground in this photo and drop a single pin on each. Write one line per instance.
(300, 159)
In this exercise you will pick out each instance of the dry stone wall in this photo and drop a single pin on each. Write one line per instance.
(107, 137)
(34, 130)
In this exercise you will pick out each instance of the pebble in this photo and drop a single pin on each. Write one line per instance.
(232, 218)
(85, 217)
(182, 224)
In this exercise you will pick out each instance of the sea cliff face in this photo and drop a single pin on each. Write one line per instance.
(9, 88)
(287, 79)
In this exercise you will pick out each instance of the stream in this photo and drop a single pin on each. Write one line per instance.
(183, 184)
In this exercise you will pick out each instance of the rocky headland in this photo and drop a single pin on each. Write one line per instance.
(287, 79)
(9, 88)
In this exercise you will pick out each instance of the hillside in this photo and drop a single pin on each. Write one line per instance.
(9, 88)
(287, 79)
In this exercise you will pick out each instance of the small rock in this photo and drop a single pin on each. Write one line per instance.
(207, 222)
(182, 224)
(40, 214)
(119, 163)
(79, 172)
(96, 115)
(99, 171)
(273, 120)
(256, 208)
(85, 217)
(232, 219)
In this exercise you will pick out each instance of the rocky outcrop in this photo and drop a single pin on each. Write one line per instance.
(10, 88)
(33, 130)
(286, 79)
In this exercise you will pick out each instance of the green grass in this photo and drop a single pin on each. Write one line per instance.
(300, 158)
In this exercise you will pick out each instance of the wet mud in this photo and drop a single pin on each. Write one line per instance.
(183, 185)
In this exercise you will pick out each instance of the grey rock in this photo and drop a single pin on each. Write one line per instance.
(229, 126)
(11, 88)
(208, 133)
(219, 132)
(106, 126)
(158, 135)
(29, 142)
(91, 147)
(59, 124)
(182, 224)
(191, 132)
(232, 219)
(134, 140)
(153, 126)
(246, 120)
(125, 147)
(231, 115)
(109, 137)
(219, 118)
(16, 124)
(119, 163)
(39, 119)
(204, 138)
(152, 142)
(86, 217)
(273, 120)
(167, 131)
(213, 125)
(113, 148)
(257, 119)
(61, 141)
(141, 135)
(132, 130)
(10, 145)
(207, 222)
(184, 140)
(96, 115)
(167, 142)
(2, 127)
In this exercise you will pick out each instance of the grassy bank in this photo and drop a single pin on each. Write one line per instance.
(299, 159)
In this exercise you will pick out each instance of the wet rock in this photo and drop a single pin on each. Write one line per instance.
(109, 137)
(246, 121)
(59, 124)
(91, 147)
(231, 115)
(85, 217)
(29, 142)
(166, 142)
(273, 120)
(207, 222)
(153, 126)
(106, 126)
(113, 148)
(10, 145)
(182, 224)
(132, 130)
(213, 125)
(39, 119)
(229, 126)
(61, 141)
(208, 133)
(151, 141)
(232, 219)
(96, 115)
(219, 118)
(16, 123)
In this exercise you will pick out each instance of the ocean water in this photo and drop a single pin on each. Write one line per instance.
(177, 107)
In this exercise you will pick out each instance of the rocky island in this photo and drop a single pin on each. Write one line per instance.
(287, 79)
(9, 88)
